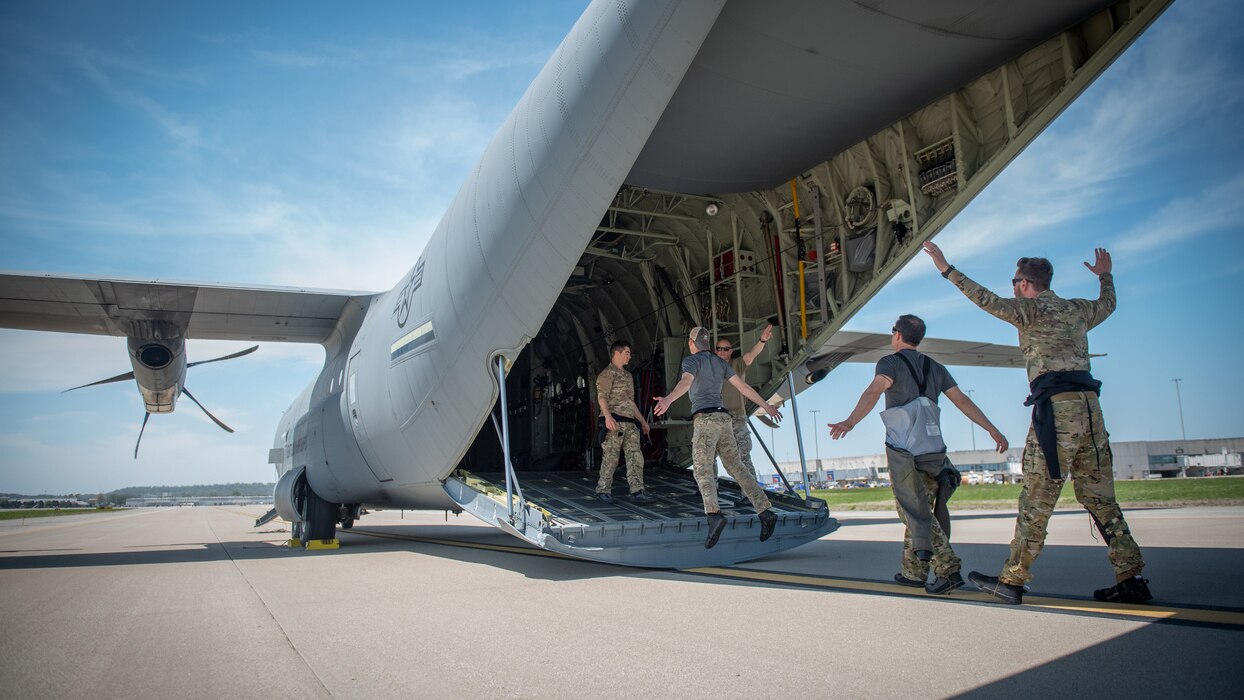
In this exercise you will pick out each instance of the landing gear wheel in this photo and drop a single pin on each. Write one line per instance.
(319, 517)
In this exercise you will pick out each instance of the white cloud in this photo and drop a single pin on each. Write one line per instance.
(176, 127)
(1188, 217)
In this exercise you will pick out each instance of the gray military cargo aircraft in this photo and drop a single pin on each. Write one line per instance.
(674, 164)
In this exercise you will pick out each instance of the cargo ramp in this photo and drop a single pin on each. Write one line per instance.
(558, 511)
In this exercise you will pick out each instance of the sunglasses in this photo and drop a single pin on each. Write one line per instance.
(1017, 280)
(725, 349)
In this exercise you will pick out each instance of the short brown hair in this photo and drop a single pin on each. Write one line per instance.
(1038, 271)
(911, 328)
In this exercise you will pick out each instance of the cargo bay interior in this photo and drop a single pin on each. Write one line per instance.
(658, 265)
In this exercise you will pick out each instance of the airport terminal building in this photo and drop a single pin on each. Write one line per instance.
(1132, 460)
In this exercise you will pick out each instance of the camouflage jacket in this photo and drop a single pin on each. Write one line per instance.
(617, 388)
(1053, 332)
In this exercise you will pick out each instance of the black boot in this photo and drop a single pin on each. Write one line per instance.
(902, 580)
(768, 521)
(1005, 592)
(1129, 590)
(642, 498)
(716, 523)
(942, 586)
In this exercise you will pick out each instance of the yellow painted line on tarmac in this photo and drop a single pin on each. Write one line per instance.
(1155, 613)
(1117, 610)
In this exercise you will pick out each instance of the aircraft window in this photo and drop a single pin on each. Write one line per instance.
(579, 382)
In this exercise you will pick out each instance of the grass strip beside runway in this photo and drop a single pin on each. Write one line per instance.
(1199, 490)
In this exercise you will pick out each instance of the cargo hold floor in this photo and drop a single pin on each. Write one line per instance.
(570, 497)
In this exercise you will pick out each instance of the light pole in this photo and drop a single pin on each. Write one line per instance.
(1182, 433)
(816, 441)
(971, 425)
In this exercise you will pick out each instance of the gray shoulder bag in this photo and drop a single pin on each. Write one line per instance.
(916, 425)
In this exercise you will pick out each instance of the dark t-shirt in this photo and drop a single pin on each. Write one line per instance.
(710, 373)
(905, 388)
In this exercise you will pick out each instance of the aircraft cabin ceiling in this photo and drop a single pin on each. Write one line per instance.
(780, 86)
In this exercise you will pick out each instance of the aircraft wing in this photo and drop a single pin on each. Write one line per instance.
(853, 346)
(66, 304)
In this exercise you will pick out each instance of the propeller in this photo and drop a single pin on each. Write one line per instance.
(110, 380)
(247, 351)
(186, 391)
(146, 416)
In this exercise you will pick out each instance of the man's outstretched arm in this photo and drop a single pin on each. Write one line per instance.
(976, 415)
(1106, 301)
(663, 402)
(1006, 309)
(756, 398)
(750, 356)
(867, 400)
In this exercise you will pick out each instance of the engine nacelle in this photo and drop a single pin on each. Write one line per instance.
(285, 495)
(158, 356)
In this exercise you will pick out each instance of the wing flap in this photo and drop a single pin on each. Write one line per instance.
(870, 347)
(66, 304)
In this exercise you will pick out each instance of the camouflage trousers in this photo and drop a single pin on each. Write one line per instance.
(743, 437)
(713, 436)
(945, 562)
(626, 439)
(1084, 454)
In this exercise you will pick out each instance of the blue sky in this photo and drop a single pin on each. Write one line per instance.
(316, 145)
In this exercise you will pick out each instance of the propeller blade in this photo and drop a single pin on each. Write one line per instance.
(110, 380)
(247, 351)
(140, 434)
(186, 391)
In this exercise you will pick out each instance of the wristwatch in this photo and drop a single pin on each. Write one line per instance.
(949, 270)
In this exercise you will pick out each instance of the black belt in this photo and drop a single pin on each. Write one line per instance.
(620, 419)
(714, 409)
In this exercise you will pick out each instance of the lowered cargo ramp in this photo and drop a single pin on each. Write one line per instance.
(559, 512)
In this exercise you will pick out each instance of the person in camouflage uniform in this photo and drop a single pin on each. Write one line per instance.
(615, 392)
(734, 401)
(1068, 435)
(703, 374)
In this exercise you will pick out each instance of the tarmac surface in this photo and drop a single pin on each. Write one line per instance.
(195, 602)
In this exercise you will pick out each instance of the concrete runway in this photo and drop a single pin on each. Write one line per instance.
(195, 602)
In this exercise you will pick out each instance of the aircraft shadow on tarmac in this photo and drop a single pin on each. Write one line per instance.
(1152, 661)
(1179, 574)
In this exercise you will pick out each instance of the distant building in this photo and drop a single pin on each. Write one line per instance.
(1170, 458)
(1132, 460)
(196, 501)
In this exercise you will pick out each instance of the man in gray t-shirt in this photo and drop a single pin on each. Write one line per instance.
(903, 385)
(702, 375)
(915, 478)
